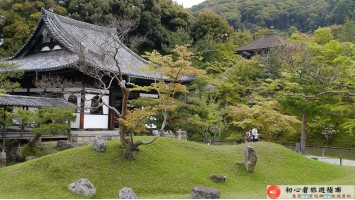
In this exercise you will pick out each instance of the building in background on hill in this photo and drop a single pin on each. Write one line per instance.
(262, 45)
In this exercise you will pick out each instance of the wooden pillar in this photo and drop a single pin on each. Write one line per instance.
(111, 114)
(69, 131)
(3, 130)
(82, 107)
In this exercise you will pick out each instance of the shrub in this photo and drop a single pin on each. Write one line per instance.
(239, 138)
(29, 151)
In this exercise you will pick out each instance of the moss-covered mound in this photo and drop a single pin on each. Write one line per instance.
(168, 168)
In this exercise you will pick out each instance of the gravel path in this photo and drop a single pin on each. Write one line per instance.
(334, 161)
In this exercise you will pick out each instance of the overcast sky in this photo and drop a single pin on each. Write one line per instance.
(189, 3)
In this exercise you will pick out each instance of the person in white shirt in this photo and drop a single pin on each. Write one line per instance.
(255, 133)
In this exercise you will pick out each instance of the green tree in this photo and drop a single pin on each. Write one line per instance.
(8, 71)
(213, 56)
(159, 19)
(210, 25)
(266, 115)
(316, 78)
(53, 121)
(175, 69)
(180, 37)
(23, 118)
(242, 37)
(94, 11)
(342, 9)
(305, 15)
(203, 117)
(345, 32)
(241, 83)
(322, 36)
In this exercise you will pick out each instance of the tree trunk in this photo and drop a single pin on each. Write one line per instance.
(206, 137)
(303, 133)
(34, 140)
(128, 154)
(133, 146)
(122, 128)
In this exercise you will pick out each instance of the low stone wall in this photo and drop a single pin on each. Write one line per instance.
(89, 136)
(180, 135)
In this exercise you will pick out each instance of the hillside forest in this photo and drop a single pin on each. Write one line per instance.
(303, 91)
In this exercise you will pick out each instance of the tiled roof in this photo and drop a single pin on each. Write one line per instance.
(46, 61)
(266, 42)
(36, 102)
(96, 43)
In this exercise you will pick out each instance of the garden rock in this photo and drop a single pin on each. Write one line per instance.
(99, 144)
(63, 144)
(250, 159)
(45, 149)
(18, 155)
(218, 178)
(83, 187)
(127, 193)
(205, 193)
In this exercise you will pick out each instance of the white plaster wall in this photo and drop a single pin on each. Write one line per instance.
(96, 121)
(90, 121)
(76, 124)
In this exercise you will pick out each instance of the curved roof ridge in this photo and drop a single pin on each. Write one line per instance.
(63, 19)
(33, 35)
(56, 28)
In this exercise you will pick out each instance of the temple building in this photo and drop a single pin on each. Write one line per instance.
(262, 45)
(57, 45)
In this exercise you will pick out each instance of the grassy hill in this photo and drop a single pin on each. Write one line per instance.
(167, 168)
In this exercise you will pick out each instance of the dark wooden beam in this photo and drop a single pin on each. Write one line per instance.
(82, 106)
(3, 130)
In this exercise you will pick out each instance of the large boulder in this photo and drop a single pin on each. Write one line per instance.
(250, 158)
(127, 193)
(204, 193)
(63, 144)
(99, 144)
(83, 187)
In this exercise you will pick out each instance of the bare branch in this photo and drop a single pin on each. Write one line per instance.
(136, 144)
(335, 92)
(314, 97)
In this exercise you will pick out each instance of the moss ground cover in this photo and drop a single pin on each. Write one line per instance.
(167, 168)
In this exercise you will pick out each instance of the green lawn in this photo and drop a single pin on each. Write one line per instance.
(167, 168)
